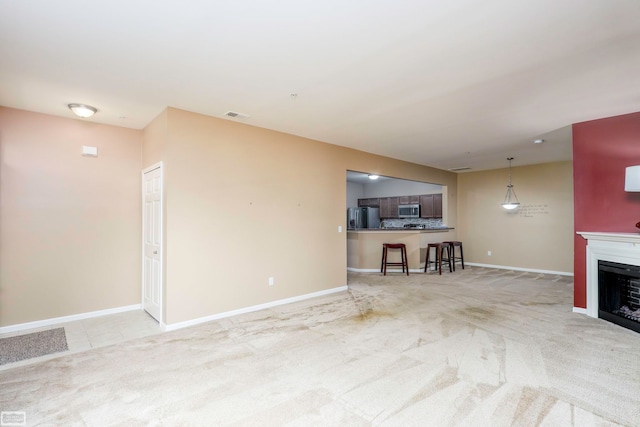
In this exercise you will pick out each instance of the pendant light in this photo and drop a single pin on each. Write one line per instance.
(510, 200)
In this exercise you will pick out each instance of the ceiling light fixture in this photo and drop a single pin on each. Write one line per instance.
(82, 110)
(374, 177)
(510, 200)
(538, 141)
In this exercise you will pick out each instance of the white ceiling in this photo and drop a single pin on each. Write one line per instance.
(442, 83)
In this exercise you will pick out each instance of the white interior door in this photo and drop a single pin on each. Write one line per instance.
(152, 241)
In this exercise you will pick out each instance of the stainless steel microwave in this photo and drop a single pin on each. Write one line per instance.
(409, 211)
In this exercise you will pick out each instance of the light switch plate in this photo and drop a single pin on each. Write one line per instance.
(89, 151)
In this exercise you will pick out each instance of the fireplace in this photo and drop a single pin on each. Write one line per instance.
(613, 259)
(619, 294)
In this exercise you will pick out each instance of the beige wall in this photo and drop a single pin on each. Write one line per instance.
(539, 235)
(244, 204)
(69, 225)
(155, 141)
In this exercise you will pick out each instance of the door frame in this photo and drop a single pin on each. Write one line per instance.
(146, 170)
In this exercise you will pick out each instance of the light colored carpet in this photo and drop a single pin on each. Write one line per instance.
(27, 346)
(478, 347)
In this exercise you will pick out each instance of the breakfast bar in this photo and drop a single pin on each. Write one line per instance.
(364, 246)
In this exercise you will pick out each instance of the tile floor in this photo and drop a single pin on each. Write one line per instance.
(83, 335)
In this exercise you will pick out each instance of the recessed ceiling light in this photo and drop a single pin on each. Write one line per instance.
(82, 110)
(538, 141)
(374, 176)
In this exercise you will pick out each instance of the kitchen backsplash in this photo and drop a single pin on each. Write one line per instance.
(399, 223)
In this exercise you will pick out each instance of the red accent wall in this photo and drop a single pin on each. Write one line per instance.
(602, 149)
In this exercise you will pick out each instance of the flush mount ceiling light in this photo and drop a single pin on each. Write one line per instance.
(83, 110)
(510, 200)
(538, 141)
(374, 176)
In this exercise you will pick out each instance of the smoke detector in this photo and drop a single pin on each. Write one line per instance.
(235, 115)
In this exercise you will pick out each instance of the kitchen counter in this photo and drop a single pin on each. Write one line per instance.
(364, 246)
(396, 230)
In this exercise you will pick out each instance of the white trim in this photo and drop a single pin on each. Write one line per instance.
(580, 310)
(193, 322)
(530, 270)
(159, 165)
(501, 267)
(623, 248)
(70, 318)
(610, 237)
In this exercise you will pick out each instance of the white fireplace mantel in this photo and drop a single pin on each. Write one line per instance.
(623, 248)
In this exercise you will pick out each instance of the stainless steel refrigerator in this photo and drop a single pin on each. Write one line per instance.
(363, 218)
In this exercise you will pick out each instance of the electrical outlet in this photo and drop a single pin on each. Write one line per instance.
(270, 281)
(489, 253)
(339, 229)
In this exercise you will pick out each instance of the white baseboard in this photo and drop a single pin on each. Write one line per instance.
(64, 319)
(530, 270)
(193, 322)
(580, 310)
(501, 267)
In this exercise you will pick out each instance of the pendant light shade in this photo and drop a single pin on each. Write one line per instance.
(510, 199)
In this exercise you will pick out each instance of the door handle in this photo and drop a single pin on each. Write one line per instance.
(155, 252)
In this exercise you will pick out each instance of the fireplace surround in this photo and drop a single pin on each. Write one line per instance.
(611, 250)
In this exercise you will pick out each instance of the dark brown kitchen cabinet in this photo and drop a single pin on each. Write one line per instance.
(437, 205)
(370, 203)
(426, 206)
(431, 206)
(408, 200)
(389, 207)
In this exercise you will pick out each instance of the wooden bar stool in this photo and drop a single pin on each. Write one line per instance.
(439, 249)
(452, 247)
(403, 256)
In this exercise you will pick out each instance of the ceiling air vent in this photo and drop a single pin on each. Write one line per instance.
(235, 115)
(465, 168)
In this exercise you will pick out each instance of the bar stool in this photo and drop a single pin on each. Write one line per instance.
(403, 256)
(439, 249)
(452, 246)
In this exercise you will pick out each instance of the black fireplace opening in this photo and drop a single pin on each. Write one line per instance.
(619, 294)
